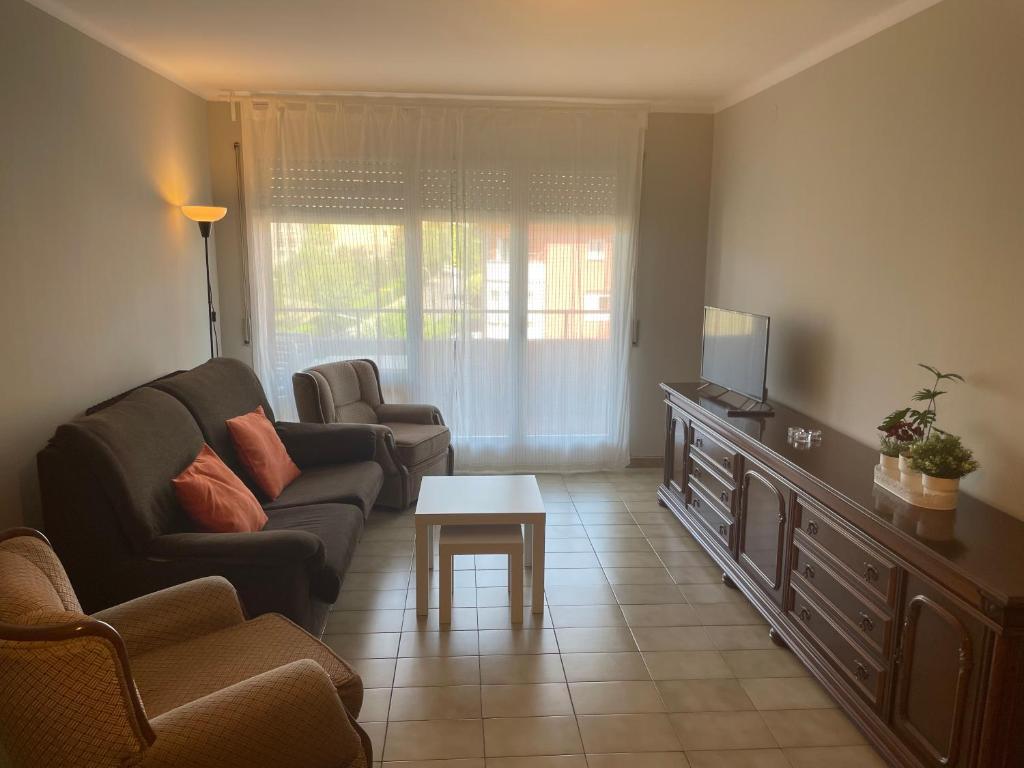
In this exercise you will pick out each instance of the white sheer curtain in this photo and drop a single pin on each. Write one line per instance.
(482, 255)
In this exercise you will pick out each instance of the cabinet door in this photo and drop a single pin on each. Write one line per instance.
(764, 506)
(937, 676)
(675, 453)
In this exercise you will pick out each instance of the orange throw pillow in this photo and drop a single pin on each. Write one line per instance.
(262, 453)
(215, 498)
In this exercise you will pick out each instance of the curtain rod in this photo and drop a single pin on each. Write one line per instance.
(648, 105)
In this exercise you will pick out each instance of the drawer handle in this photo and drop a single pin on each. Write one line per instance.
(721, 531)
(861, 672)
(696, 503)
(866, 623)
(808, 572)
(812, 528)
(870, 572)
(699, 442)
(805, 614)
(696, 472)
(724, 497)
(725, 462)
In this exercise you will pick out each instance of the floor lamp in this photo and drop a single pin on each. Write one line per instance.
(205, 215)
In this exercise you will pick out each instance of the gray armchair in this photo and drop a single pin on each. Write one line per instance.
(412, 440)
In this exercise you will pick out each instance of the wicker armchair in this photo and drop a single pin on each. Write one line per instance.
(412, 440)
(178, 677)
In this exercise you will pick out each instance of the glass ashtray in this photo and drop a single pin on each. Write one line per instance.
(799, 437)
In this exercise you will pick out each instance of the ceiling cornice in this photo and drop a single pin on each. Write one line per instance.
(819, 53)
(87, 28)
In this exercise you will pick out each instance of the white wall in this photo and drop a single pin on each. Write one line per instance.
(873, 206)
(102, 284)
(670, 273)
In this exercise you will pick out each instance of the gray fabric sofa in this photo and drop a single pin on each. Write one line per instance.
(111, 513)
(412, 440)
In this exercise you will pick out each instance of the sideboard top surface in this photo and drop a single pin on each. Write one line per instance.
(986, 545)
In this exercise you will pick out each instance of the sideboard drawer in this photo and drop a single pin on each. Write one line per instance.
(870, 625)
(868, 570)
(713, 485)
(720, 526)
(718, 453)
(867, 676)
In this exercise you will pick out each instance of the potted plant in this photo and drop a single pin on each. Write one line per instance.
(903, 429)
(942, 459)
(898, 435)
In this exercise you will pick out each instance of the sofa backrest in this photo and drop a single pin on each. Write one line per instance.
(133, 450)
(346, 392)
(214, 392)
(105, 482)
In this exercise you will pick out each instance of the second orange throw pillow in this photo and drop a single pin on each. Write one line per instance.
(262, 453)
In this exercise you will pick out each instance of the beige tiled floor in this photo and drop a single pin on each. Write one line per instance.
(642, 658)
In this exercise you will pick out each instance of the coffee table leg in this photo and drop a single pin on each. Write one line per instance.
(537, 548)
(430, 547)
(527, 544)
(423, 555)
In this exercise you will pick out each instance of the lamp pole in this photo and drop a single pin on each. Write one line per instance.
(204, 230)
(204, 216)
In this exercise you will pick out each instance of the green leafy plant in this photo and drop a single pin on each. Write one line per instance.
(943, 455)
(890, 446)
(904, 428)
(929, 395)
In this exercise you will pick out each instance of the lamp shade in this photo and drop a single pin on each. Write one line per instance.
(208, 213)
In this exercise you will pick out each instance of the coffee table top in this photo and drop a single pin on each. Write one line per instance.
(480, 495)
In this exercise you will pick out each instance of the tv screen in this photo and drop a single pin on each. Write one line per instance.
(735, 354)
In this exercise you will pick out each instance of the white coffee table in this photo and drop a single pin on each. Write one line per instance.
(479, 500)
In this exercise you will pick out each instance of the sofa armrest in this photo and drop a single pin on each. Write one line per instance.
(263, 548)
(313, 445)
(175, 614)
(290, 715)
(409, 413)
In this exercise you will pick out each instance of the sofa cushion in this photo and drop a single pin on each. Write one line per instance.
(357, 484)
(214, 392)
(184, 672)
(338, 526)
(215, 498)
(132, 450)
(417, 443)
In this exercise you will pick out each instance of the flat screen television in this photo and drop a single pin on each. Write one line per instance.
(735, 352)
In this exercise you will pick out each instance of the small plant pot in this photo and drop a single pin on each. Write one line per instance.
(909, 478)
(940, 485)
(890, 466)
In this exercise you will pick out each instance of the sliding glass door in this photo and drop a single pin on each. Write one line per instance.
(482, 257)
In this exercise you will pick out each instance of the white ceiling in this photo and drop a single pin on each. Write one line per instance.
(677, 54)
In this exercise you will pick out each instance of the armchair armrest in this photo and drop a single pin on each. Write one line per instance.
(409, 413)
(313, 445)
(175, 614)
(290, 715)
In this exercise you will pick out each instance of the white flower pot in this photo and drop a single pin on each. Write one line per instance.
(940, 484)
(890, 465)
(909, 478)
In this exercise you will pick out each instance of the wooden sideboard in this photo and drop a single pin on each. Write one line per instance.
(912, 619)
